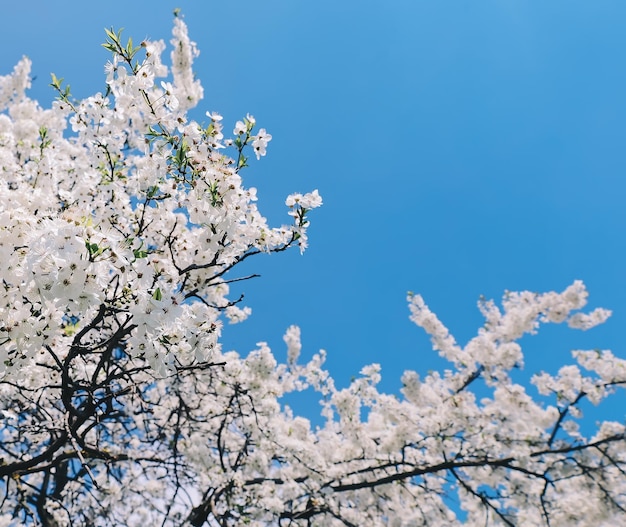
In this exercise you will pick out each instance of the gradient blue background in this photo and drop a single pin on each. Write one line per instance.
(462, 148)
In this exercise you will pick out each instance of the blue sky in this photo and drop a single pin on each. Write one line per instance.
(462, 149)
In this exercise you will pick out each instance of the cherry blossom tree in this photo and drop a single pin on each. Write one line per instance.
(122, 224)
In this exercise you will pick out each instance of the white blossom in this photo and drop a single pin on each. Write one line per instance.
(260, 142)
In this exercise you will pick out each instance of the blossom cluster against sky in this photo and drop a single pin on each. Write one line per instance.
(461, 149)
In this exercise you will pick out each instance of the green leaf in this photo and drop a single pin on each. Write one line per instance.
(111, 34)
(157, 295)
(181, 154)
(43, 136)
(94, 250)
(152, 191)
(56, 82)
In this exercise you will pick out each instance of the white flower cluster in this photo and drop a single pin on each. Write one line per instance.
(383, 460)
(140, 211)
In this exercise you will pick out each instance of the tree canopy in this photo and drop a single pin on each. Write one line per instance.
(122, 224)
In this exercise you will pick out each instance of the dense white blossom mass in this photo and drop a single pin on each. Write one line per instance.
(122, 222)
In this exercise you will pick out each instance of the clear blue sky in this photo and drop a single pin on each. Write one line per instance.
(461, 147)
